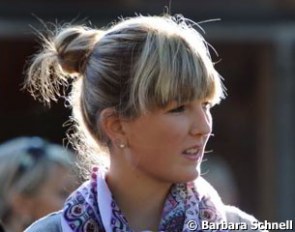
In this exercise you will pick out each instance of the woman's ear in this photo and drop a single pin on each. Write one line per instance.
(111, 124)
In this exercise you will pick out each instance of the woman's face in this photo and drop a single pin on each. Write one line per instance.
(168, 144)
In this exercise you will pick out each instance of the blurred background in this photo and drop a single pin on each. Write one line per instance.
(254, 127)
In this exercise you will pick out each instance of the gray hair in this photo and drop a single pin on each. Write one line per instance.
(135, 66)
(25, 163)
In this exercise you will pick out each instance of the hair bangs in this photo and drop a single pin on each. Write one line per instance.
(183, 75)
(172, 70)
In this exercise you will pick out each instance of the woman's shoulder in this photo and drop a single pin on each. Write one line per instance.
(244, 221)
(236, 218)
(49, 223)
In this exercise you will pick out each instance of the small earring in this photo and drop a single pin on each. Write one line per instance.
(119, 143)
(122, 145)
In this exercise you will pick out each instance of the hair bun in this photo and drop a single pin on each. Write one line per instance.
(62, 56)
(73, 46)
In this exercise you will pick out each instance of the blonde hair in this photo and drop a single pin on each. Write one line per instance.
(136, 65)
(25, 163)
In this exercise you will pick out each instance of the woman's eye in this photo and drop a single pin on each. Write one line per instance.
(177, 109)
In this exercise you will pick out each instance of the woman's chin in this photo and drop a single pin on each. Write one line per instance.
(188, 176)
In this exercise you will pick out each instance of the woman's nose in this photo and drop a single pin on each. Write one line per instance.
(202, 122)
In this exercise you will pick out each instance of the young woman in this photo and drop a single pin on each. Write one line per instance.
(35, 177)
(142, 92)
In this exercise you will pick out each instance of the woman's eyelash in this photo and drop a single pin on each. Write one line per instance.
(177, 109)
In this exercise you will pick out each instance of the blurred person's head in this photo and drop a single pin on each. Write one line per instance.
(35, 178)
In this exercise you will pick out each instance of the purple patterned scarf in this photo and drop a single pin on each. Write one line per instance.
(91, 208)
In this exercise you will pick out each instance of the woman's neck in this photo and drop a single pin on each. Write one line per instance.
(140, 197)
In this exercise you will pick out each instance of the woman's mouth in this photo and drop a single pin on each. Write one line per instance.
(192, 153)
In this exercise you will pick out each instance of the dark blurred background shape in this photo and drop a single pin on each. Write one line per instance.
(254, 127)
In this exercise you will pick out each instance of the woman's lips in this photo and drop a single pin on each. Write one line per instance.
(192, 153)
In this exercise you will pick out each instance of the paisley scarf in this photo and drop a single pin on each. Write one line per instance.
(91, 208)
